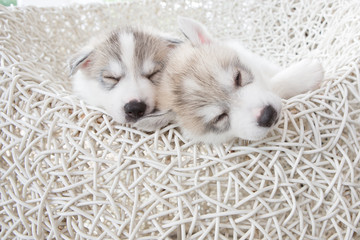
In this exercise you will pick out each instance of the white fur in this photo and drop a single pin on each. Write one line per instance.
(115, 68)
(127, 51)
(191, 84)
(148, 66)
(298, 78)
(251, 100)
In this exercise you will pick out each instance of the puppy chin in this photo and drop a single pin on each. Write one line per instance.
(254, 137)
(119, 118)
(209, 138)
(122, 119)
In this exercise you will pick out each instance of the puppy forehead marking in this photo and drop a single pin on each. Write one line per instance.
(115, 68)
(212, 65)
(150, 47)
(127, 49)
(143, 47)
(113, 39)
(148, 66)
(191, 84)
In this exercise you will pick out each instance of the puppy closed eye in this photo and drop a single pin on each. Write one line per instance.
(238, 79)
(111, 80)
(242, 78)
(221, 117)
(220, 123)
(151, 76)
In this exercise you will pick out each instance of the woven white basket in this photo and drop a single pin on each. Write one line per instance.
(68, 171)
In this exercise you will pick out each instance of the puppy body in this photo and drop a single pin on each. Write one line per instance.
(118, 72)
(218, 90)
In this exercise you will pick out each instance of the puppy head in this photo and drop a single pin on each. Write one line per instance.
(119, 72)
(212, 91)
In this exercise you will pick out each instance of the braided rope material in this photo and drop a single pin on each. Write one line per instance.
(68, 171)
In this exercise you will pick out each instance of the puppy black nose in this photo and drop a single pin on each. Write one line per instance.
(268, 116)
(135, 109)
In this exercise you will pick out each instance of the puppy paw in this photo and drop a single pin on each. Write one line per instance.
(312, 76)
(299, 78)
(154, 121)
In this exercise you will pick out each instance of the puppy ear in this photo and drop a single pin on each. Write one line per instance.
(80, 59)
(195, 31)
(155, 120)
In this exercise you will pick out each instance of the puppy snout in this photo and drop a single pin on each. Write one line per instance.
(134, 109)
(268, 116)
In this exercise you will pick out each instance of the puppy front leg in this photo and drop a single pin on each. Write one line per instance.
(299, 78)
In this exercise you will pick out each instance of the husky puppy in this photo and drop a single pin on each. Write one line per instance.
(119, 71)
(217, 90)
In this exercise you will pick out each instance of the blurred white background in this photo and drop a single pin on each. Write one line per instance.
(47, 3)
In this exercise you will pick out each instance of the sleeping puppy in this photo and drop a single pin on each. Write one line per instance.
(119, 72)
(218, 90)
